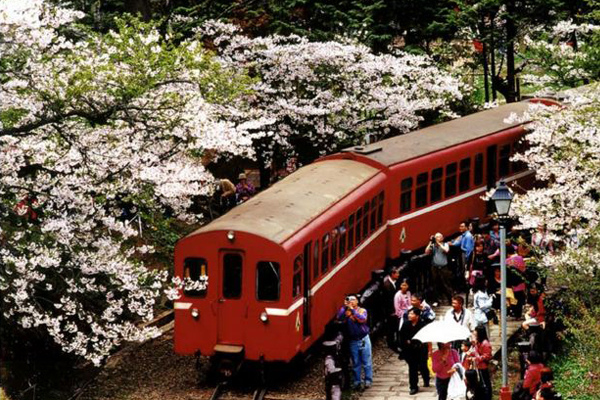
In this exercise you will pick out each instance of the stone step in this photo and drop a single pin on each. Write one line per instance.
(390, 382)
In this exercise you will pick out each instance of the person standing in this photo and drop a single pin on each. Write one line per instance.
(443, 361)
(415, 352)
(461, 315)
(402, 300)
(482, 303)
(391, 320)
(427, 314)
(244, 189)
(440, 274)
(481, 357)
(466, 242)
(479, 265)
(401, 305)
(517, 268)
(355, 319)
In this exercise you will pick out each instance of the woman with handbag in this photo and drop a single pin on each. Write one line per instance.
(481, 358)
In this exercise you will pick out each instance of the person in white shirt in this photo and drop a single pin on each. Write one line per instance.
(461, 315)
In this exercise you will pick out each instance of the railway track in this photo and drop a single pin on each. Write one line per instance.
(258, 394)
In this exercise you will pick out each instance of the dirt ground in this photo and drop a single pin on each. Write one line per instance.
(153, 371)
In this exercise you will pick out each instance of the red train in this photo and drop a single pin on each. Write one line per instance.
(280, 264)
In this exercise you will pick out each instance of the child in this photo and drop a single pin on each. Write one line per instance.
(465, 350)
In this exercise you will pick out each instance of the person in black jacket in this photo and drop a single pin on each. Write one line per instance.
(415, 352)
(391, 320)
(475, 390)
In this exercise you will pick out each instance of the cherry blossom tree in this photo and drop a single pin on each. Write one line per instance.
(565, 153)
(98, 128)
(568, 55)
(93, 130)
(324, 95)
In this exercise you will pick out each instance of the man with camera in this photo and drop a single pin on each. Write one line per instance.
(441, 275)
(355, 319)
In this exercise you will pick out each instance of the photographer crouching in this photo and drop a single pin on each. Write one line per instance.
(355, 319)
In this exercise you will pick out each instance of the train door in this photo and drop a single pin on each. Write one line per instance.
(231, 305)
(306, 291)
(491, 176)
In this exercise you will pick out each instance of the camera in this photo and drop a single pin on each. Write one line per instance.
(432, 239)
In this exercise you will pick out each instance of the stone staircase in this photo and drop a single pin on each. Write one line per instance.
(390, 382)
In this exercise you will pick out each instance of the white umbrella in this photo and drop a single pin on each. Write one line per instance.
(442, 332)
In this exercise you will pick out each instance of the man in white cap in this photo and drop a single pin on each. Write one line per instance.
(244, 189)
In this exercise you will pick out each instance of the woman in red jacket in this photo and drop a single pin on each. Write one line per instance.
(481, 358)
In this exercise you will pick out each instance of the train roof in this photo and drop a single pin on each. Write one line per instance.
(441, 136)
(293, 202)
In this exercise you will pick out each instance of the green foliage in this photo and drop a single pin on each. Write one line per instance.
(575, 374)
(577, 366)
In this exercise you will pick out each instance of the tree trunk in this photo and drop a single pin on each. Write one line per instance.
(141, 7)
(484, 53)
(493, 59)
(511, 34)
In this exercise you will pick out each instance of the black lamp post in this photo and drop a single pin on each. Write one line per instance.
(502, 197)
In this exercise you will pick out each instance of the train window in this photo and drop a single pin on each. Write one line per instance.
(343, 233)
(365, 220)
(268, 283)
(195, 270)
(436, 185)
(232, 275)
(380, 210)
(351, 232)
(450, 186)
(464, 178)
(504, 161)
(325, 253)
(357, 227)
(316, 255)
(478, 173)
(373, 213)
(406, 195)
(421, 190)
(297, 277)
(335, 237)
(520, 147)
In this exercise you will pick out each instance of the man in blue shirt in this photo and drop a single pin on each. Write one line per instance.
(467, 244)
(355, 319)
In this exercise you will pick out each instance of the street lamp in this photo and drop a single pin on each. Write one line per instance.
(502, 198)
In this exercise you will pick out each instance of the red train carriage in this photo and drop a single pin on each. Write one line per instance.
(275, 262)
(437, 175)
(279, 265)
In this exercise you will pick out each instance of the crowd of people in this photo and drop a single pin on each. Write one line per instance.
(469, 264)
